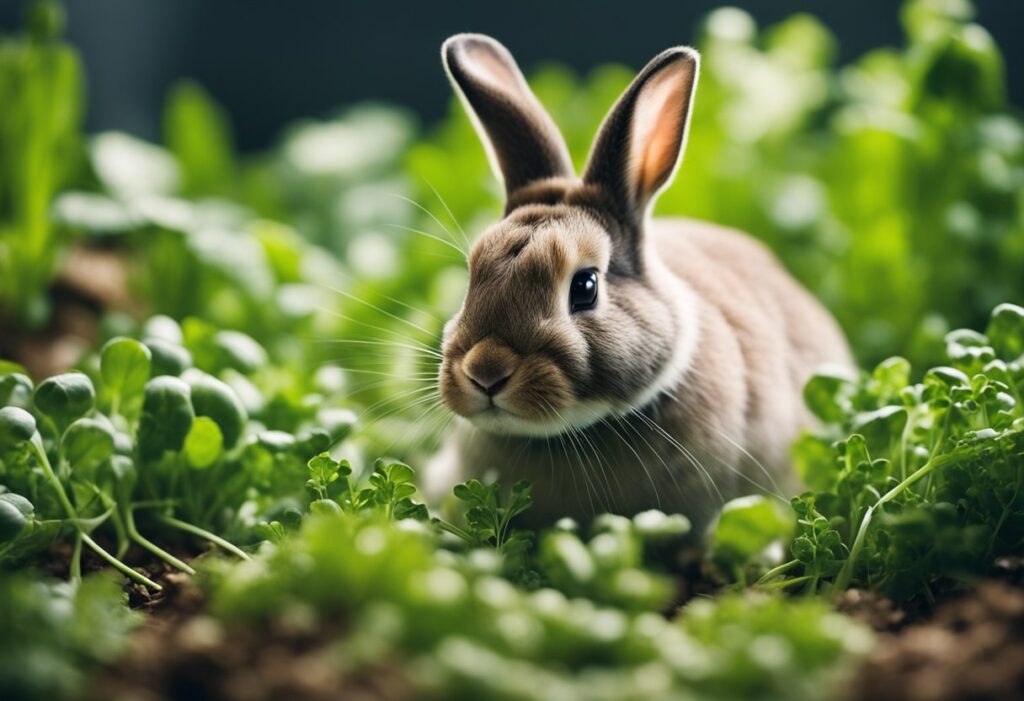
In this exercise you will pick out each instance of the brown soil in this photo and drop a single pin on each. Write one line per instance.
(91, 281)
(972, 648)
(182, 652)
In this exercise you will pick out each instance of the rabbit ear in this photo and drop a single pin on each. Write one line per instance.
(642, 139)
(522, 142)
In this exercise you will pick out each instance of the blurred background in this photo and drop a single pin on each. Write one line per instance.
(302, 173)
(269, 66)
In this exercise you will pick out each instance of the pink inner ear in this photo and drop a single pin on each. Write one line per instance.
(658, 124)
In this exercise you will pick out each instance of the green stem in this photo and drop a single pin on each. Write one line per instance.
(62, 497)
(118, 565)
(786, 583)
(455, 530)
(122, 535)
(776, 571)
(152, 547)
(205, 534)
(76, 559)
(842, 580)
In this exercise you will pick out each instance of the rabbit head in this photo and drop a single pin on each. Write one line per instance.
(569, 316)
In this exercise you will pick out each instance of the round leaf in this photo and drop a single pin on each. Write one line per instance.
(827, 393)
(204, 443)
(1006, 331)
(215, 399)
(15, 389)
(167, 416)
(87, 443)
(12, 520)
(124, 365)
(65, 397)
(16, 426)
(240, 351)
(168, 358)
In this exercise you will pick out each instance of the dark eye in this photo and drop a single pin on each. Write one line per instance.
(583, 291)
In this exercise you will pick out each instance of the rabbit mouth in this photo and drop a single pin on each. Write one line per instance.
(501, 420)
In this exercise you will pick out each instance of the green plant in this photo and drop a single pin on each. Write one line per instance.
(56, 634)
(41, 91)
(160, 439)
(914, 484)
(452, 627)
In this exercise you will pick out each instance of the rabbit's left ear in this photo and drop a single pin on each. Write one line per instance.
(523, 144)
(641, 142)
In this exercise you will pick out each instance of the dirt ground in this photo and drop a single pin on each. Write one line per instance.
(969, 646)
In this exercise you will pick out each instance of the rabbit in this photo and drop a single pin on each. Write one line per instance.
(618, 362)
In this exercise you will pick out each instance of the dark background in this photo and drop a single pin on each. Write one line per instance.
(270, 62)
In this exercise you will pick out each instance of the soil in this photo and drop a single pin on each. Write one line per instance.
(972, 648)
(183, 653)
(968, 646)
(92, 281)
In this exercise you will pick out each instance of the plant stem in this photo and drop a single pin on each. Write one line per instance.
(788, 582)
(134, 534)
(62, 497)
(76, 559)
(118, 565)
(205, 534)
(776, 571)
(455, 530)
(842, 580)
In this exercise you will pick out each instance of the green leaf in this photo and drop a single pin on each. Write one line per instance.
(215, 399)
(658, 524)
(15, 512)
(204, 443)
(16, 389)
(65, 397)
(168, 358)
(87, 443)
(167, 416)
(16, 426)
(1006, 331)
(197, 132)
(325, 507)
(125, 366)
(746, 527)
(827, 394)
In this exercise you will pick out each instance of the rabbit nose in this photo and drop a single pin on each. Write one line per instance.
(490, 389)
(489, 365)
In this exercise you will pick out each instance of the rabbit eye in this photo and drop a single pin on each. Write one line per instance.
(583, 290)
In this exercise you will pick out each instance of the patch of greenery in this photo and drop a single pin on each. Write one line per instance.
(150, 435)
(40, 153)
(587, 627)
(912, 484)
(56, 633)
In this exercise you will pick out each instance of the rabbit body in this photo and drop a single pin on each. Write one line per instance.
(723, 431)
(617, 362)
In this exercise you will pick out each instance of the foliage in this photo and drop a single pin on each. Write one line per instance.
(41, 94)
(912, 483)
(55, 633)
(149, 434)
(890, 186)
(468, 633)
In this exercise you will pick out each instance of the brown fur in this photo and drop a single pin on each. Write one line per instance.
(682, 387)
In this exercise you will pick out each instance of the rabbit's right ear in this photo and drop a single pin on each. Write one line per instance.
(522, 142)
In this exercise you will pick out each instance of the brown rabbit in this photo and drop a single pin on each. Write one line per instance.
(618, 363)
